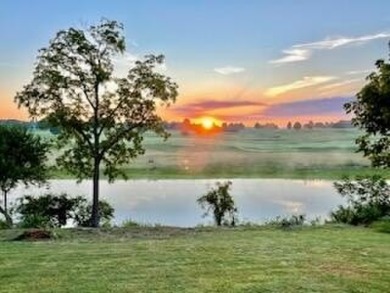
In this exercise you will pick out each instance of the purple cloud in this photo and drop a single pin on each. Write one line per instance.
(308, 107)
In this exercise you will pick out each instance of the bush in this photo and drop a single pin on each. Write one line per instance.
(288, 222)
(50, 211)
(83, 213)
(220, 202)
(35, 221)
(4, 225)
(368, 200)
(129, 224)
(46, 211)
(382, 225)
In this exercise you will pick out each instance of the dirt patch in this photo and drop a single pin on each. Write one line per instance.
(34, 235)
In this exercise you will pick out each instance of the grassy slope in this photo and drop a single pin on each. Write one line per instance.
(324, 259)
(321, 153)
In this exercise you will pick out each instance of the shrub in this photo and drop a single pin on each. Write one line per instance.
(368, 200)
(50, 210)
(84, 210)
(288, 222)
(382, 225)
(35, 221)
(129, 223)
(4, 225)
(220, 202)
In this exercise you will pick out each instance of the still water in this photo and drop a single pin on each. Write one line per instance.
(173, 202)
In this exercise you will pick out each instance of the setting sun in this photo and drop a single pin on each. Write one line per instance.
(207, 123)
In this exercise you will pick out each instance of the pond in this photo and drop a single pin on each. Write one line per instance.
(173, 202)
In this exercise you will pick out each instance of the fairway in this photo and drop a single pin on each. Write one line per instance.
(250, 153)
(319, 259)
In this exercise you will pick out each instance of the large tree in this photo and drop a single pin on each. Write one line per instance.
(101, 117)
(371, 113)
(22, 160)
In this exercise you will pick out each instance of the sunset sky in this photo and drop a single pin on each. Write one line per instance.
(237, 61)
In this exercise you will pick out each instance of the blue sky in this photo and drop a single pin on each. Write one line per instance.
(262, 55)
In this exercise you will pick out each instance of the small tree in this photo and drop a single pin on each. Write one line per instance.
(101, 117)
(371, 111)
(289, 125)
(297, 125)
(22, 160)
(219, 201)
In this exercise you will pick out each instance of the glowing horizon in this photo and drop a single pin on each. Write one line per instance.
(225, 68)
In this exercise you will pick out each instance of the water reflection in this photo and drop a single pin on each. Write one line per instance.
(173, 202)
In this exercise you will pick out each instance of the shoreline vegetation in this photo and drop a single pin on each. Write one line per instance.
(224, 172)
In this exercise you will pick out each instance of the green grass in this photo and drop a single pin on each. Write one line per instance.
(306, 154)
(140, 259)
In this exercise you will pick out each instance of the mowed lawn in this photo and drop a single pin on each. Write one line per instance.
(319, 259)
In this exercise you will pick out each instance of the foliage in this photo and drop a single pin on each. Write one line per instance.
(371, 111)
(4, 225)
(383, 225)
(288, 222)
(130, 223)
(51, 210)
(22, 160)
(368, 200)
(83, 211)
(220, 202)
(48, 210)
(103, 117)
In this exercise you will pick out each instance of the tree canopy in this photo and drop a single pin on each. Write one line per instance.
(101, 116)
(371, 111)
(22, 160)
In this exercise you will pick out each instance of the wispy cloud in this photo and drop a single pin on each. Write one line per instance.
(293, 55)
(307, 107)
(306, 81)
(229, 70)
(358, 72)
(301, 52)
(340, 84)
(209, 105)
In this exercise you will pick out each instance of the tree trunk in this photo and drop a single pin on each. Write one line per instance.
(4, 211)
(5, 202)
(95, 217)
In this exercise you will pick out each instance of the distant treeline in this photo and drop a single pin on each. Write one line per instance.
(310, 125)
(33, 125)
(187, 127)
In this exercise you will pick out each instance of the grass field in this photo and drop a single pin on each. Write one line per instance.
(313, 259)
(319, 153)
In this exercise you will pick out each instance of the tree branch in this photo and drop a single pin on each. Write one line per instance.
(117, 137)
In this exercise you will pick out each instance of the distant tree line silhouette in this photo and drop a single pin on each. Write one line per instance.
(310, 125)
